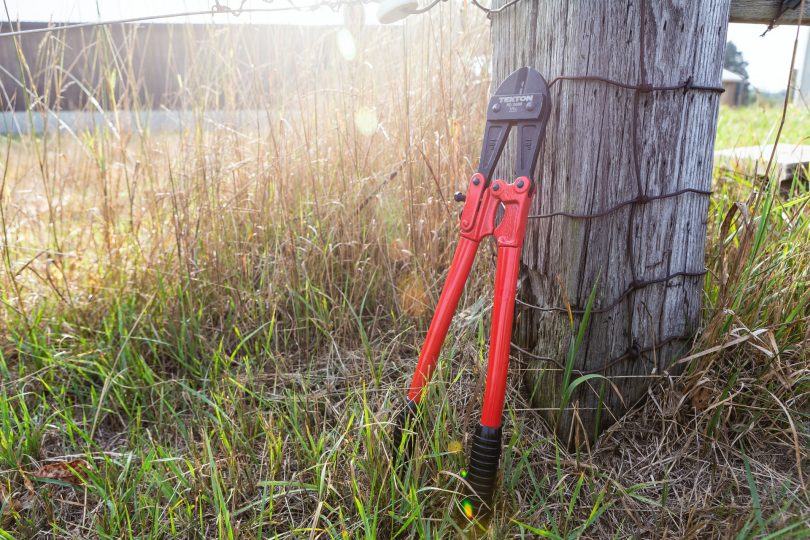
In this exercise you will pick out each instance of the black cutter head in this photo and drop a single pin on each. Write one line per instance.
(521, 101)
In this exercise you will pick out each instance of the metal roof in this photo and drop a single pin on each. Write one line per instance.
(730, 76)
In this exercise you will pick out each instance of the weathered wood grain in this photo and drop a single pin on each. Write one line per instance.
(765, 11)
(588, 165)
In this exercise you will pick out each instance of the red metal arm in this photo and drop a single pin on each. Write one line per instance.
(501, 334)
(477, 212)
(448, 301)
(516, 198)
(486, 447)
(477, 222)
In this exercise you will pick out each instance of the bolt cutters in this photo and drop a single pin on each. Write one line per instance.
(522, 103)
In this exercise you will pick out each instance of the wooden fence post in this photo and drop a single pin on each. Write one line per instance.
(623, 185)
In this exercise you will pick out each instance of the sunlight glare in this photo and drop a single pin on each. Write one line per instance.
(345, 43)
(365, 118)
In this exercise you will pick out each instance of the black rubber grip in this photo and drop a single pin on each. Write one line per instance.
(482, 472)
(405, 418)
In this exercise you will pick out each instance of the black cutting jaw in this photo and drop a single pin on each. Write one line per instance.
(521, 101)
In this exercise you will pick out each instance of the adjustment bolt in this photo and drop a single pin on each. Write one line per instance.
(476, 181)
(529, 106)
(496, 187)
(496, 107)
(459, 196)
(520, 183)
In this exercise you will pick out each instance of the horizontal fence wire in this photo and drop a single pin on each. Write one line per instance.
(641, 199)
(644, 88)
(619, 299)
(634, 352)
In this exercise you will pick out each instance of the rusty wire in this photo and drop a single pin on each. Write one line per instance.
(604, 309)
(641, 199)
(217, 8)
(490, 12)
(633, 351)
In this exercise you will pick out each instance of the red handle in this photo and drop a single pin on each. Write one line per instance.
(448, 301)
(501, 334)
(516, 198)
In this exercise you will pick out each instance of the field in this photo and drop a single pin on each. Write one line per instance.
(205, 333)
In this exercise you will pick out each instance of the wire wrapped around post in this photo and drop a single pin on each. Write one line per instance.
(633, 351)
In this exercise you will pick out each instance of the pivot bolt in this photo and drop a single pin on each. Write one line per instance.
(496, 107)
(459, 196)
(496, 187)
(520, 183)
(476, 181)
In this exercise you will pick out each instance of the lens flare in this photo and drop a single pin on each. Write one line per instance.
(467, 506)
(365, 118)
(345, 43)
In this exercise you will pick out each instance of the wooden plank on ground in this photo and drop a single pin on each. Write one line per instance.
(790, 162)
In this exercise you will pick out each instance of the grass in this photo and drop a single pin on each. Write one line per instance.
(757, 125)
(221, 322)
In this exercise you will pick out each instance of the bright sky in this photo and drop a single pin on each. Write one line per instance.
(768, 57)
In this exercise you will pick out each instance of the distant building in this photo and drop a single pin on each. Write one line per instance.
(153, 66)
(734, 86)
(126, 76)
